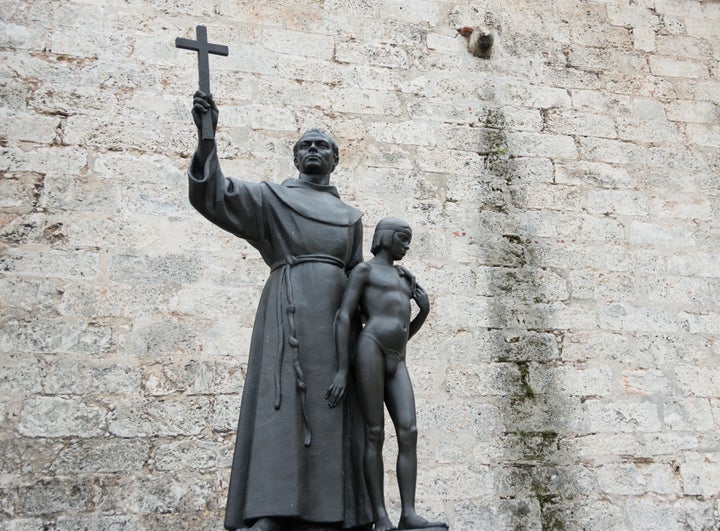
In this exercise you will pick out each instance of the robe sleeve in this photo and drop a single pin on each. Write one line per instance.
(233, 205)
(356, 255)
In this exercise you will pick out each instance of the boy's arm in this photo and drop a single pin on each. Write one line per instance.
(423, 302)
(348, 306)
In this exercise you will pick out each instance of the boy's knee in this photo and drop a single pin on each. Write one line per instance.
(375, 434)
(407, 435)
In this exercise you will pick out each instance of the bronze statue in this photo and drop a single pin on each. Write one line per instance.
(297, 462)
(383, 292)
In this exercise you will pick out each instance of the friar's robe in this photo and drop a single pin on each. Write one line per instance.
(294, 456)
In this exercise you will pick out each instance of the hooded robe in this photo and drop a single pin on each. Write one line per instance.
(294, 456)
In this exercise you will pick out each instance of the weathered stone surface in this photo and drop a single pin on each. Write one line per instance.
(61, 417)
(564, 197)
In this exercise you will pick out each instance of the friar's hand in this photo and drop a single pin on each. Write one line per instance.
(336, 391)
(422, 300)
(202, 104)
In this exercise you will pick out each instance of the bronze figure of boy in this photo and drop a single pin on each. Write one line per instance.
(383, 292)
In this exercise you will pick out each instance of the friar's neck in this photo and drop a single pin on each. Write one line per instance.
(323, 179)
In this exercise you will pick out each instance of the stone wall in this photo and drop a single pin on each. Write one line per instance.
(564, 195)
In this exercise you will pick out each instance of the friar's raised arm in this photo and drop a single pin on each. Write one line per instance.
(233, 205)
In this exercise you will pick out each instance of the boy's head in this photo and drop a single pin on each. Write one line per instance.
(387, 231)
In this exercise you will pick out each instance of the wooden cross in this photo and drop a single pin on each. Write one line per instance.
(203, 49)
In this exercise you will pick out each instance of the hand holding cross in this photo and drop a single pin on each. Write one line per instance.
(203, 48)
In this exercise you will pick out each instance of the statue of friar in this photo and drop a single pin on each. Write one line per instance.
(298, 458)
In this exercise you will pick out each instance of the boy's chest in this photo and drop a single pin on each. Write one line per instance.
(389, 280)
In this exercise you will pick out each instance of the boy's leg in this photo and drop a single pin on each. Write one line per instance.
(400, 401)
(369, 371)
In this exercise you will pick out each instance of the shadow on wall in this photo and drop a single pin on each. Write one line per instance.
(536, 479)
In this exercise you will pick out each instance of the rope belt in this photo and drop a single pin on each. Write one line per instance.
(286, 265)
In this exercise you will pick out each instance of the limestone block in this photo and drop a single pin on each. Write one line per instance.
(153, 337)
(651, 233)
(61, 417)
(93, 301)
(19, 36)
(164, 493)
(55, 495)
(688, 414)
(608, 287)
(541, 145)
(523, 513)
(110, 523)
(603, 447)
(618, 201)
(617, 104)
(551, 197)
(622, 416)
(692, 513)
(569, 380)
(63, 377)
(484, 379)
(375, 55)
(669, 443)
(680, 207)
(195, 377)
(53, 336)
(101, 456)
(544, 413)
(413, 133)
(269, 117)
(154, 269)
(611, 151)
(704, 135)
(225, 413)
(213, 302)
(365, 102)
(698, 381)
(631, 479)
(597, 174)
(644, 38)
(700, 474)
(298, 43)
(29, 127)
(622, 316)
(190, 454)
(645, 382)
(683, 46)
(563, 121)
(601, 59)
(700, 264)
(66, 161)
(437, 41)
(450, 111)
(671, 67)
(509, 92)
(531, 169)
(702, 26)
(172, 416)
(646, 515)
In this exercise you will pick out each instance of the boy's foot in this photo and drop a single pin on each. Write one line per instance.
(384, 524)
(413, 521)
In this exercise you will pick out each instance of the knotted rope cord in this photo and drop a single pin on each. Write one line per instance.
(286, 285)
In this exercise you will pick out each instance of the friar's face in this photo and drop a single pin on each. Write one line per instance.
(314, 154)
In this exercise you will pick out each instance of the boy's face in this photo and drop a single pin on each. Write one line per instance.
(400, 244)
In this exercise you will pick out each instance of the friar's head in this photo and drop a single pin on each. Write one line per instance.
(316, 153)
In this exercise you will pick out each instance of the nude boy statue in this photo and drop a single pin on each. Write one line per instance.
(383, 291)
